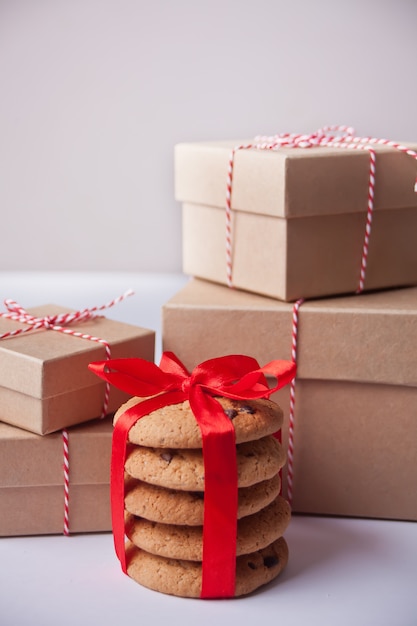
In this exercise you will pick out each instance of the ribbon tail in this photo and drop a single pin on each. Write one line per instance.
(118, 459)
(220, 497)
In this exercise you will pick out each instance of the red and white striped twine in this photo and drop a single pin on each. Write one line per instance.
(60, 324)
(330, 137)
(290, 453)
(229, 236)
(65, 443)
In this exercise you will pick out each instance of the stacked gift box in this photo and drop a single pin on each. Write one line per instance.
(55, 420)
(298, 219)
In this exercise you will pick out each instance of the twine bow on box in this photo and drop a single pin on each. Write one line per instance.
(234, 376)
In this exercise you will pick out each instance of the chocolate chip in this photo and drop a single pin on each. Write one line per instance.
(271, 561)
(167, 456)
(247, 409)
(231, 413)
(251, 565)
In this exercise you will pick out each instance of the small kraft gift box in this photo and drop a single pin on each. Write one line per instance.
(351, 415)
(45, 383)
(289, 216)
(49, 485)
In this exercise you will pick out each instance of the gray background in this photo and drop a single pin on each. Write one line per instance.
(95, 94)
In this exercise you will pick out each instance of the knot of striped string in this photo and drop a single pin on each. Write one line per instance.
(49, 322)
(321, 137)
(61, 323)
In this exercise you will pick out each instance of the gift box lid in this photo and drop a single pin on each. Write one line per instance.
(369, 337)
(46, 363)
(293, 182)
(27, 459)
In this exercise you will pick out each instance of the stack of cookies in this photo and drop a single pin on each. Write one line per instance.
(164, 497)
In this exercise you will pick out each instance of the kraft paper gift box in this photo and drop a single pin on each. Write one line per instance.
(32, 480)
(355, 423)
(298, 218)
(45, 384)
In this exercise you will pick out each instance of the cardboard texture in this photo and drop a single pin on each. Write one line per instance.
(45, 381)
(298, 218)
(32, 480)
(356, 389)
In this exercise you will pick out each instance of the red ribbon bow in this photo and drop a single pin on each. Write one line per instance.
(234, 376)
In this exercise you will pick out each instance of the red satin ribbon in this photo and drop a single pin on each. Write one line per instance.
(234, 376)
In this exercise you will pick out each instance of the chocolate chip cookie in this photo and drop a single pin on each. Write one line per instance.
(177, 468)
(183, 578)
(175, 426)
(174, 506)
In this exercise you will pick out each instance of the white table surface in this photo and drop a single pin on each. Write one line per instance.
(341, 571)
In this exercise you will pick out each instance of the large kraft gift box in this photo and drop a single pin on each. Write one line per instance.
(32, 480)
(298, 218)
(45, 384)
(355, 426)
